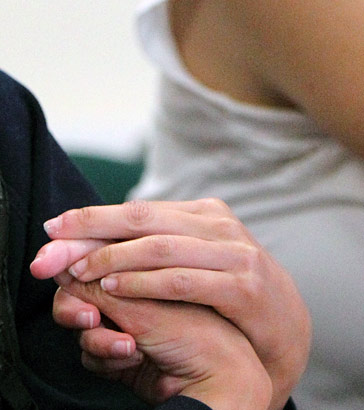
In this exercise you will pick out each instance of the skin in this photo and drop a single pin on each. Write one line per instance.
(182, 350)
(303, 54)
(195, 252)
(306, 55)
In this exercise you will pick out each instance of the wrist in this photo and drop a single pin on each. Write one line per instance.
(230, 393)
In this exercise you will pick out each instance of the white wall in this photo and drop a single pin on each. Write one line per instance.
(82, 60)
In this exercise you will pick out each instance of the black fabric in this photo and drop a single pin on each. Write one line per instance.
(12, 389)
(41, 182)
(183, 403)
(290, 405)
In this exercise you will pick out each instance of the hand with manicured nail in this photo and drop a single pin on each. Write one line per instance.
(183, 349)
(69, 311)
(196, 252)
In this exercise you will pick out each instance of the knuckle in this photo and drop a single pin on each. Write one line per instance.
(253, 257)
(84, 217)
(162, 246)
(138, 212)
(167, 388)
(94, 293)
(245, 257)
(228, 228)
(181, 283)
(250, 286)
(133, 286)
(103, 257)
(214, 204)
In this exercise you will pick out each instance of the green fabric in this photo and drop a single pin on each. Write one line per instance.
(111, 179)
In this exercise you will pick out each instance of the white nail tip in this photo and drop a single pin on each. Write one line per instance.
(128, 348)
(91, 319)
(72, 272)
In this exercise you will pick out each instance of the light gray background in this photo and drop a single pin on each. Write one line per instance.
(81, 58)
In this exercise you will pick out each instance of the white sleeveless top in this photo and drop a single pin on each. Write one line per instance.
(297, 190)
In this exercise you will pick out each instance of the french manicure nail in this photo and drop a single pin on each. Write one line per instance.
(42, 253)
(121, 348)
(78, 268)
(85, 320)
(35, 262)
(109, 284)
(53, 226)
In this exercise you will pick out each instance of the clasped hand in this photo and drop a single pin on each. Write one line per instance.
(244, 318)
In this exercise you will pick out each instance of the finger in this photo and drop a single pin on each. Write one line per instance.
(135, 316)
(71, 312)
(170, 333)
(108, 366)
(56, 256)
(148, 321)
(125, 376)
(108, 344)
(204, 287)
(243, 298)
(234, 296)
(132, 219)
(161, 251)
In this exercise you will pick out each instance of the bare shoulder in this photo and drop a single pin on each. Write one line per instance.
(313, 52)
(309, 54)
(213, 48)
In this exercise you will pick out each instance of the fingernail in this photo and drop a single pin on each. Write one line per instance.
(35, 262)
(78, 268)
(109, 284)
(53, 226)
(121, 348)
(63, 279)
(85, 320)
(42, 253)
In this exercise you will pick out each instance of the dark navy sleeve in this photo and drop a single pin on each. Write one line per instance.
(41, 182)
